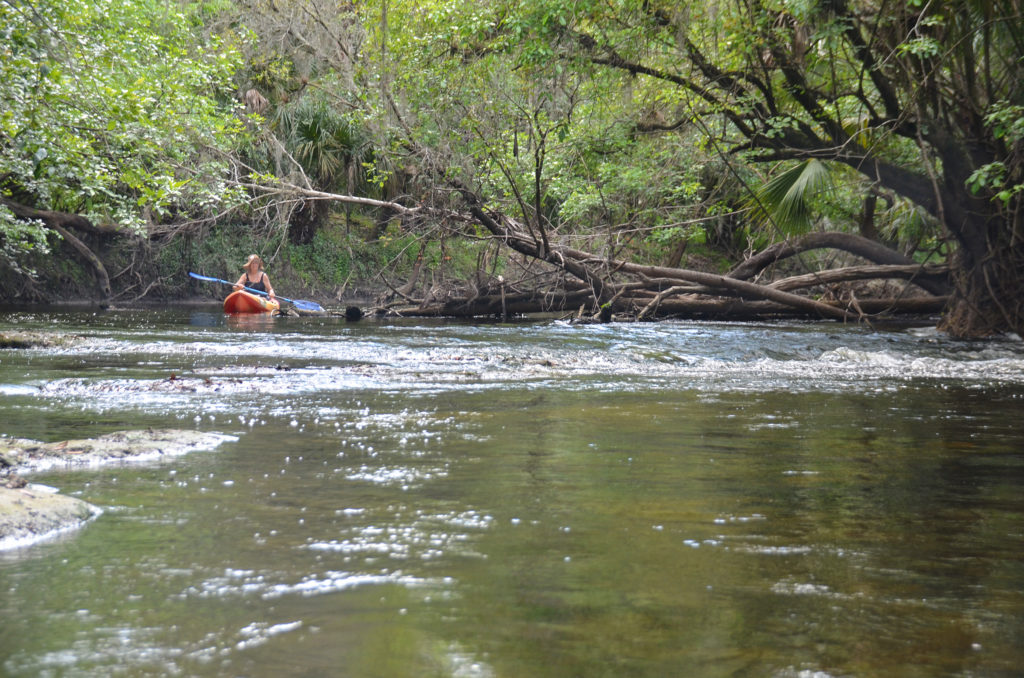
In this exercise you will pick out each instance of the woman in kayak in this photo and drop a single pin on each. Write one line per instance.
(254, 278)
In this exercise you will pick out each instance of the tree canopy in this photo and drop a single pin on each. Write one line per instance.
(113, 110)
(625, 131)
(921, 101)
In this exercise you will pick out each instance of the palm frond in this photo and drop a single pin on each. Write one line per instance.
(326, 142)
(785, 198)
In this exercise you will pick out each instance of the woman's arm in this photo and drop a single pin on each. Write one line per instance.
(270, 288)
(241, 282)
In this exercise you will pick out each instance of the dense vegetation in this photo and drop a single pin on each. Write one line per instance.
(622, 155)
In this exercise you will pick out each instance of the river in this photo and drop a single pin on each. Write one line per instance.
(528, 499)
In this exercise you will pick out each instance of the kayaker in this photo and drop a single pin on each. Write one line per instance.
(254, 278)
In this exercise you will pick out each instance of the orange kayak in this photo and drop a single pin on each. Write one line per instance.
(246, 302)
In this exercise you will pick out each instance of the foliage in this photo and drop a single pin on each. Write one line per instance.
(921, 99)
(112, 110)
(516, 99)
(332, 148)
(784, 199)
(18, 238)
(338, 256)
(218, 251)
(561, 147)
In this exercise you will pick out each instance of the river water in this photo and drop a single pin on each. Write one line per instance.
(531, 499)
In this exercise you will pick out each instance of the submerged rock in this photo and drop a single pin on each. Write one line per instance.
(23, 340)
(19, 339)
(28, 513)
(22, 455)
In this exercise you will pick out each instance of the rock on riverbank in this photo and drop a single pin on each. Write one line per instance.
(18, 339)
(28, 514)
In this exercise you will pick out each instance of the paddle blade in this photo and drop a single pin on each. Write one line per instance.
(203, 277)
(307, 305)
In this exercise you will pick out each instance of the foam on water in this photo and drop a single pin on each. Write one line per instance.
(723, 358)
(248, 583)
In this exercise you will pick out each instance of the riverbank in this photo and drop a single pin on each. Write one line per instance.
(31, 513)
(340, 267)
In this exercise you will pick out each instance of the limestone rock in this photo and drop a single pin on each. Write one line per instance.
(27, 514)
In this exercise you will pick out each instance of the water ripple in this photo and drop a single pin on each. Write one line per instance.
(220, 369)
(250, 582)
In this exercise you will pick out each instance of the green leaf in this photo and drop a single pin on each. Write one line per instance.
(785, 199)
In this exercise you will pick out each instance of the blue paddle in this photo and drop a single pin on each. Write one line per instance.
(298, 303)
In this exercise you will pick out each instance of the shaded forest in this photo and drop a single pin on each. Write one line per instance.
(610, 160)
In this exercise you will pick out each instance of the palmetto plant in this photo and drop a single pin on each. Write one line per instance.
(787, 201)
(331, 148)
(333, 151)
(784, 200)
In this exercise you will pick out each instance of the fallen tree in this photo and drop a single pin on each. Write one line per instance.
(930, 279)
(588, 285)
(545, 275)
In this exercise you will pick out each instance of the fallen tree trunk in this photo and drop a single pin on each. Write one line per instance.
(574, 261)
(690, 308)
(920, 275)
(745, 289)
(847, 242)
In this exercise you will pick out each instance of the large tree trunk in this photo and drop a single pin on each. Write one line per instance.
(989, 294)
(988, 265)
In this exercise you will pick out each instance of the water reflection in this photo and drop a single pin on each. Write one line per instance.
(205, 319)
(250, 321)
